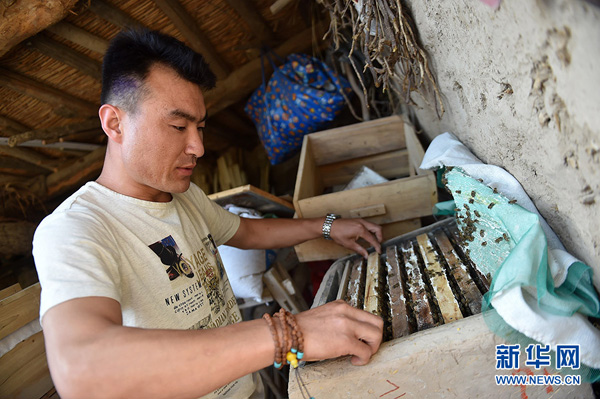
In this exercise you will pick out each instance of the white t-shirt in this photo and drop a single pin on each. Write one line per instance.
(159, 260)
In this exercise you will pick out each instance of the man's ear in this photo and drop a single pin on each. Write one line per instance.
(111, 118)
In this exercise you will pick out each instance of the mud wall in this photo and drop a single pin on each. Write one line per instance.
(521, 88)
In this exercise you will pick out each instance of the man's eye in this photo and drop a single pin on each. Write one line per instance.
(201, 129)
(180, 128)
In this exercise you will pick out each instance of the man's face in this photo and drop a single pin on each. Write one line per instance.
(163, 137)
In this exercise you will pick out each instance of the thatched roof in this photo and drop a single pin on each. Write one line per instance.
(50, 58)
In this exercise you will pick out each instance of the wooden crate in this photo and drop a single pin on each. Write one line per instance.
(332, 157)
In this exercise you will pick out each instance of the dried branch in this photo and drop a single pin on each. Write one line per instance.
(384, 32)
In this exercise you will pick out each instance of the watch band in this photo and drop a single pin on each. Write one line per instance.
(327, 224)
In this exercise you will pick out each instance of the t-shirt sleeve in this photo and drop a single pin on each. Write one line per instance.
(221, 223)
(74, 258)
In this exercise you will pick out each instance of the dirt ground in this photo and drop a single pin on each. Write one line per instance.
(520, 85)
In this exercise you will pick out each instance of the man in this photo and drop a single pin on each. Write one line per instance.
(135, 301)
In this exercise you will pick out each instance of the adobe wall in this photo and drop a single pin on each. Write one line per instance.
(521, 88)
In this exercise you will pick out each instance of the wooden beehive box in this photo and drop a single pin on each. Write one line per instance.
(437, 344)
(331, 158)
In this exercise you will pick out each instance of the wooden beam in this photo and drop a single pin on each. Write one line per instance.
(188, 27)
(36, 89)
(22, 19)
(246, 79)
(75, 173)
(63, 53)
(11, 126)
(30, 156)
(113, 14)
(14, 166)
(79, 36)
(55, 132)
(255, 21)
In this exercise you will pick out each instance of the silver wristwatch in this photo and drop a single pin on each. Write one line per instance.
(327, 224)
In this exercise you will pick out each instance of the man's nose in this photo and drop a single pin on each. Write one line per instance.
(195, 144)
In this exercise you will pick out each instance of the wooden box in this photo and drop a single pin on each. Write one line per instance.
(332, 157)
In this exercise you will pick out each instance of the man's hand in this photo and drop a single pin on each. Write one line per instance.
(337, 329)
(346, 232)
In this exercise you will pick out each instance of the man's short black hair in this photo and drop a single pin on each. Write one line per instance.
(133, 52)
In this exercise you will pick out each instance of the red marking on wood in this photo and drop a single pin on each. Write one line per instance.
(400, 395)
(395, 389)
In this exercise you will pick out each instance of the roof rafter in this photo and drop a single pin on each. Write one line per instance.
(55, 132)
(254, 20)
(35, 89)
(188, 27)
(79, 36)
(66, 54)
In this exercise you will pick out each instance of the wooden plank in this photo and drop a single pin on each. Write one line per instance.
(398, 299)
(22, 19)
(355, 293)
(441, 287)
(252, 197)
(54, 132)
(343, 288)
(391, 165)
(308, 183)
(421, 305)
(368, 211)
(19, 309)
(406, 198)
(113, 14)
(258, 26)
(243, 81)
(8, 291)
(283, 289)
(322, 249)
(358, 140)
(66, 54)
(24, 370)
(415, 150)
(186, 24)
(50, 95)
(374, 285)
(79, 36)
(460, 272)
(31, 156)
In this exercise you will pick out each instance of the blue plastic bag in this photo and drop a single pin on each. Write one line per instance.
(302, 96)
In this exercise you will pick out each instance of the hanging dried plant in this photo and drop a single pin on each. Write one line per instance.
(384, 32)
(16, 201)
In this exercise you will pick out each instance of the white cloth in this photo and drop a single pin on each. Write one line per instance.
(447, 150)
(159, 260)
(245, 267)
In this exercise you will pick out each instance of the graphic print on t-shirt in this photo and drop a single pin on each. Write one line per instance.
(172, 258)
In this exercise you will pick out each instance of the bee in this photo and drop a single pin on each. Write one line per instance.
(466, 207)
(458, 191)
(495, 190)
(512, 201)
(477, 213)
(480, 180)
(481, 233)
(498, 240)
(506, 237)
(491, 205)
(483, 244)
(473, 193)
(471, 201)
